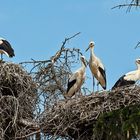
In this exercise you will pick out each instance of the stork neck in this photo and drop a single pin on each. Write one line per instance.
(138, 66)
(83, 65)
(92, 55)
(91, 50)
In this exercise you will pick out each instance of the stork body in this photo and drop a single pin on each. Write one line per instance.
(76, 80)
(97, 67)
(5, 48)
(129, 78)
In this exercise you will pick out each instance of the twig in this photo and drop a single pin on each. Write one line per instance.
(125, 5)
(30, 134)
(35, 61)
(55, 56)
(133, 3)
(16, 112)
(138, 45)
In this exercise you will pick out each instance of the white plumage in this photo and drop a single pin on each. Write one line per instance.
(132, 76)
(76, 80)
(97, 67)
(129, 78)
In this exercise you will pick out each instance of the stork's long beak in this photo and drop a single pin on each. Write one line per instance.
(87, 62)
(87, 49)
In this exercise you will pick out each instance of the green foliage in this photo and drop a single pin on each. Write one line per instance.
(122, 124)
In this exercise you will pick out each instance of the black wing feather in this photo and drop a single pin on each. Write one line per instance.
(5, 46)
(102, 71)
(123, 82)
(70, 84)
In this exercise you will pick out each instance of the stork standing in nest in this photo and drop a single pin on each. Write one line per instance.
(96, 67)
(76, 80)
(6, 48)
(129, 78)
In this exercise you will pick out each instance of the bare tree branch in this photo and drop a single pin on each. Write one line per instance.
(138, 45)
(133, 3)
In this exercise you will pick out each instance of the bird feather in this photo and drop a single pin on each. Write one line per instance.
(70, 84)
(123, 82)
(103, 73)
(6, 47)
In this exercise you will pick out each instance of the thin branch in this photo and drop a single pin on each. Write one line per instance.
(30, 134)
(125, 5)
(138, 45)
(133, 3)
(16, 113)
(35, 61)
(53, 58)
(57, 55)
(31, 124)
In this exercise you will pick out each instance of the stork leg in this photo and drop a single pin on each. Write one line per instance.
(97, 86)
(78, 94)
(93, 83)
(1, 57)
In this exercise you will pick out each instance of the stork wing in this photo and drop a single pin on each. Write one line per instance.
(101, 68)
(131, 76)
(72, 80)
(6, 47)
(99, 63)
(102, 71)
(70, 84)
(123, 82)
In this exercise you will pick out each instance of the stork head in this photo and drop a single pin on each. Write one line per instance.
(1, 40)
(83, 60)
(138, 61)
(91, 45)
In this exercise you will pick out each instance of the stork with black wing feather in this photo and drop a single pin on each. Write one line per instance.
(6, 48)
(129, 78)
(96, 67)
(76, 80)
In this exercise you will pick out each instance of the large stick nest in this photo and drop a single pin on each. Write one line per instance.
(75, 118)
(17, 99)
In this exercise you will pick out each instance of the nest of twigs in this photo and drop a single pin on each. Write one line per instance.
(17, 99)
(74, 118)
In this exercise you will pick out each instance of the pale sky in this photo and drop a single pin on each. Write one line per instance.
(36, 30)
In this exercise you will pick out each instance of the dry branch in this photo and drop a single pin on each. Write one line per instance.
(52, 75)
(132, 3)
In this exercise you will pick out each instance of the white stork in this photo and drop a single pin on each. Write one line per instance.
(96, 67)
(129, 78)
(5, 48)
(76, 80)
